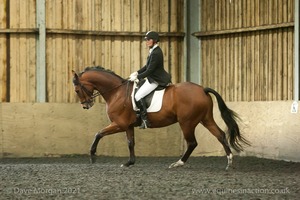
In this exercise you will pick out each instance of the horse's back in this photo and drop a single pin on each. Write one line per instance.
(190, 90)
(188, 96)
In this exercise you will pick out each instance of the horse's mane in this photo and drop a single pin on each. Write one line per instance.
(100, 69)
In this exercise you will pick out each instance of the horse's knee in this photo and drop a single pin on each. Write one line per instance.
(98, 136)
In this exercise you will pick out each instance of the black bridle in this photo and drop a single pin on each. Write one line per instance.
(88, 94)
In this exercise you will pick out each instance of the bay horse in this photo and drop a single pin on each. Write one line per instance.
(186, 103)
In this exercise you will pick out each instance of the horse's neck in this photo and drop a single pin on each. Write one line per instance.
(105, 81)
(116, 93)
(108, 85)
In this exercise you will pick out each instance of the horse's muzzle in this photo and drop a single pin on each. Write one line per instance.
(87, 104)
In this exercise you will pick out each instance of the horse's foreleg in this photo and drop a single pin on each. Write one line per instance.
(98, 136)
(131, 143)
(110, 129)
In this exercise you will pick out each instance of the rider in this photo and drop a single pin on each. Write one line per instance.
(153, 73)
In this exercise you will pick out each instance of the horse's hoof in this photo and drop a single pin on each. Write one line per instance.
(127, 164)
(229, 167)
(179, 163)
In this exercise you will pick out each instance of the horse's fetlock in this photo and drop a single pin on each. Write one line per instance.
(92, 151)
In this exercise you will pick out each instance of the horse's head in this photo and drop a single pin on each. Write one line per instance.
(84, 91)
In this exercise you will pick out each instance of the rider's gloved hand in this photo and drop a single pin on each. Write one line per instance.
(133, 76)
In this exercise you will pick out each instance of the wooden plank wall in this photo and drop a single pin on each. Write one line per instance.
(247, 48)
(122, 53)
(20, 48)
(3, 46)
(84, 33)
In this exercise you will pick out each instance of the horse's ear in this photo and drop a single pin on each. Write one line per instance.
(75, 78)
(74, 74)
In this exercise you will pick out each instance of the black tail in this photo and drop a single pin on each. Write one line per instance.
(229, 117)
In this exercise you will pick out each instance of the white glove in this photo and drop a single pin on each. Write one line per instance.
(133, 76)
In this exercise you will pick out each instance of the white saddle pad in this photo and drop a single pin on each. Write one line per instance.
(156, 101)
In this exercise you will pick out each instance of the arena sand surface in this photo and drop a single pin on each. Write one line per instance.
(149, 178)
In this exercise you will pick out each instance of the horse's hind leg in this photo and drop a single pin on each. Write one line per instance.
(189, 135)
(220, 135)
(131, 143)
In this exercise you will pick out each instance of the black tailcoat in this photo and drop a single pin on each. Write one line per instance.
(154, 69)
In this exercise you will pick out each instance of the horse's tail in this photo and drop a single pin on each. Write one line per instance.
(229, 117)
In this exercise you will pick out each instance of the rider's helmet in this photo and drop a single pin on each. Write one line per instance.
(152, 35)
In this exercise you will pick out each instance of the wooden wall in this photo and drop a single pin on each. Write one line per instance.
(17, 46)
(247, 45)
(3, 61)
(247, 48)
(83, 33)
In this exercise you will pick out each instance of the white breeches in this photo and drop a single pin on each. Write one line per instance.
(145, 89)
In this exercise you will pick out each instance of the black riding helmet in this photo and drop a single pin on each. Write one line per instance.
(152, 35)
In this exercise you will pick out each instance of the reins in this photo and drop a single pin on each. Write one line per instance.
(93, 94)
(102, 93)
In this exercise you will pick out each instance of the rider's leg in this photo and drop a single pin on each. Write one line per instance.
(145, 89)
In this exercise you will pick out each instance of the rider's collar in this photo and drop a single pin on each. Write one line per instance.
(150, 50)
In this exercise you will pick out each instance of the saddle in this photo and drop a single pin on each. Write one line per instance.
(153, 100)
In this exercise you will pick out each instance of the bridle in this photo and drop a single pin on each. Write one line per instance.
(92, 95)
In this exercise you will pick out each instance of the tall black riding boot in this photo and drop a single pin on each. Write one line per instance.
(143, 112)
